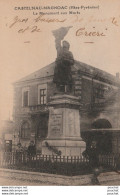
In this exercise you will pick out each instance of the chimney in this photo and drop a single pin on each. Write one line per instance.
(117, 75)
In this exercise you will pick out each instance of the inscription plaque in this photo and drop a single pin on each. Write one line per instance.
(56, 124)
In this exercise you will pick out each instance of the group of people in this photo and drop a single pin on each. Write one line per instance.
(31, 149)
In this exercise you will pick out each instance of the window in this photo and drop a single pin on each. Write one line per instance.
(25, 130)
(42, 94)
(25, 97)
(99, 93)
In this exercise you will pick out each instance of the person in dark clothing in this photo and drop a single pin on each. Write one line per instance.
(19, 153)
(92, 154)
(31, 149)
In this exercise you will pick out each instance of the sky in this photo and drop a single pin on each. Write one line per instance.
(22, 53)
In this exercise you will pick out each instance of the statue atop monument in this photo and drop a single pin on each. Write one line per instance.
(64, 61)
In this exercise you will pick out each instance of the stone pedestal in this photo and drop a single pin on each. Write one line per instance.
(64, 127)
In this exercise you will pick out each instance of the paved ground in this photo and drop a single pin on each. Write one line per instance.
(16, 182)
(112, 183)
(23, 178)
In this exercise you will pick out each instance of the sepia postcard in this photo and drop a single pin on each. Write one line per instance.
(59, 94)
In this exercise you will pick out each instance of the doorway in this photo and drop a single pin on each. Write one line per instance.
(101, 134)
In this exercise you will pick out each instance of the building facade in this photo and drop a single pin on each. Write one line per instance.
(98, 93)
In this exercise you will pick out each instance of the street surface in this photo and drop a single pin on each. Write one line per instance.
(16, 182)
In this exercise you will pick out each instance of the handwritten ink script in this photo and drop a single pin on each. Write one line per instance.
(84, 32)
(113, 20)
(87, 28)
(33, 27)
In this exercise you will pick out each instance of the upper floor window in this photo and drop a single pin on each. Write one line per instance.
(99, 92)
(42, 94)
(25, 97)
